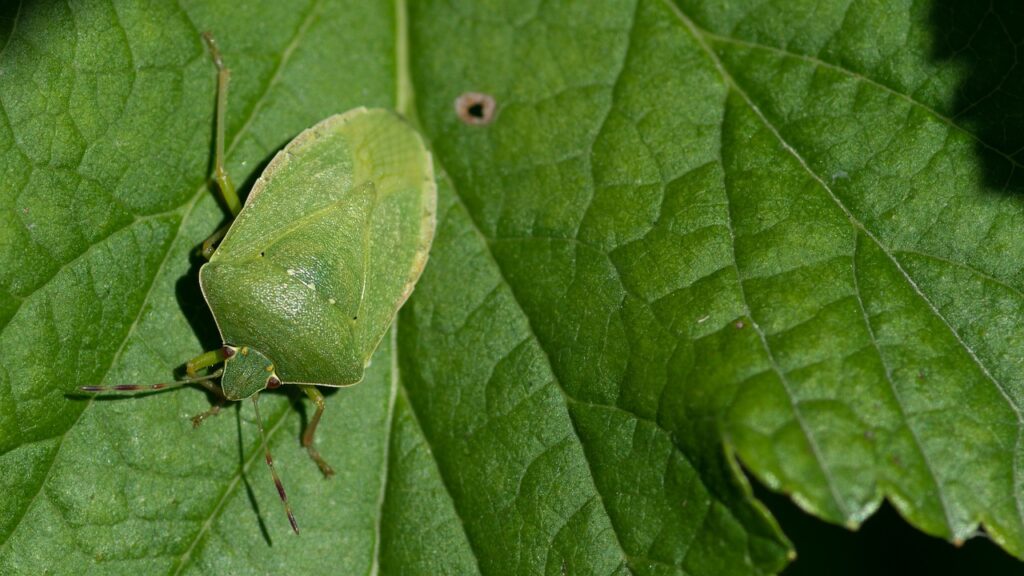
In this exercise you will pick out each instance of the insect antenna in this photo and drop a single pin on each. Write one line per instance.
(270, 463)
(204, 380)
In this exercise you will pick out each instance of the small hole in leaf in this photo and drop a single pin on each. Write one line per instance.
(475, 108)
(261, 254)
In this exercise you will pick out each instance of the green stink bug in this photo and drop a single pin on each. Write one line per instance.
(307, 278)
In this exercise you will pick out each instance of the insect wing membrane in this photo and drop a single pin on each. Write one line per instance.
(328, 246)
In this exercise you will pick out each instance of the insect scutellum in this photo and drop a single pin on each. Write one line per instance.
(246, 372)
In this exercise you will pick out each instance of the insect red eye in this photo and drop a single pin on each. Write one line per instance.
(227, 351)
(273, 382)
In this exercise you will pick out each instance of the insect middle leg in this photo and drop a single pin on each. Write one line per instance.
(308, 435)
(214, 410)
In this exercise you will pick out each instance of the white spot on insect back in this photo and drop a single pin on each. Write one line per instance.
(332, 300)
(291, 272)
(311, 286)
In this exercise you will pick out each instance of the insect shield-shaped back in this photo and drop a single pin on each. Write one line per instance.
(328, 247)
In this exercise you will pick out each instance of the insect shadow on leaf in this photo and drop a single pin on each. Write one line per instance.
(249, 493)
(187, 290)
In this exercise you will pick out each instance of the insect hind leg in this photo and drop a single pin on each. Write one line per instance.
(308, 436)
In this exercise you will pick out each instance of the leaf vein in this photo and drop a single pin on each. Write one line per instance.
(113, 362)
(547, 357)
(444, 483)
(389, 427)
(776, 368)
(857, 224)
(945, 119)
(236, 478)
(896, 395)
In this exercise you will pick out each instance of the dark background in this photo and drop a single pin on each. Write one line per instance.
(885, 545)
(985, 37)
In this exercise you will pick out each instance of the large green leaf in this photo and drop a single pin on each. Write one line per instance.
(696, 234)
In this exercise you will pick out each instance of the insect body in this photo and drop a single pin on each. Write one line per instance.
(309, 276)
(328, 247)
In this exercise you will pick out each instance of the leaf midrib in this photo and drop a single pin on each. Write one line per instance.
(405, 104)
(406, 98)
(389, 423)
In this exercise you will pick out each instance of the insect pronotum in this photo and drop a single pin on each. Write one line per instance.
(305, 281)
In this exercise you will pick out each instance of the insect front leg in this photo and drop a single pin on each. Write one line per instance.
(210, 244)
(307, 437)
(201, 362)
(220, 173)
